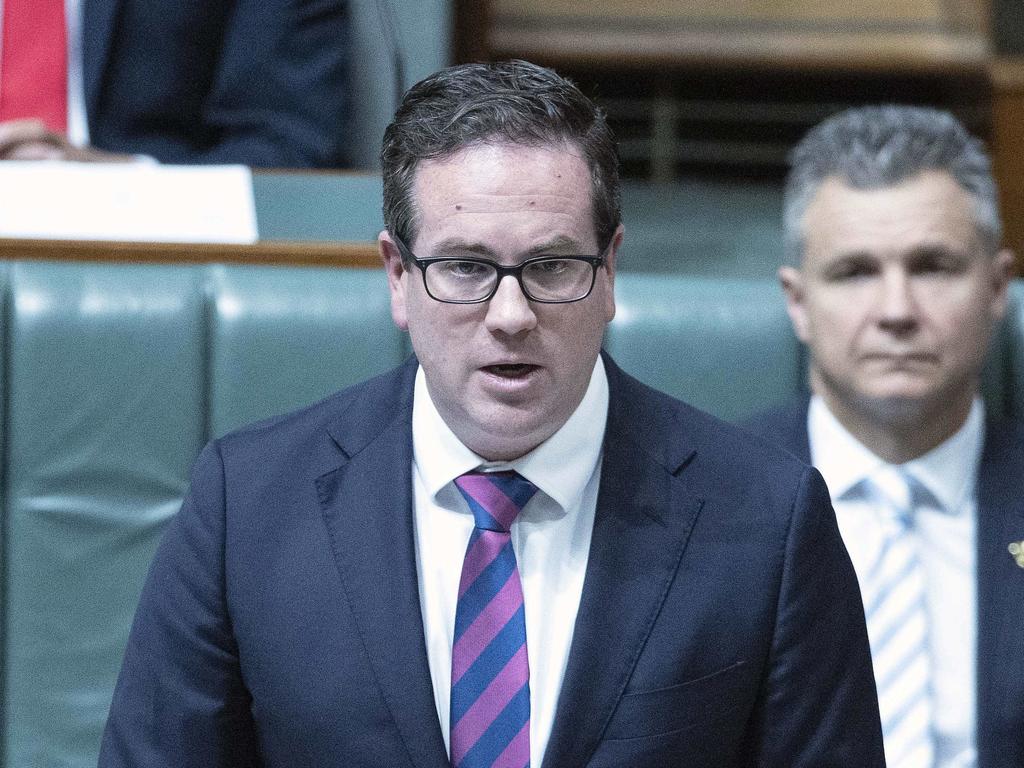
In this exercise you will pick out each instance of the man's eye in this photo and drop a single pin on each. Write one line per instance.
(464, 269)
(850, 271)
(937, 266)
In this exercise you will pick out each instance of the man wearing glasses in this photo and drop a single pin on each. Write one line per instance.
(507, 552)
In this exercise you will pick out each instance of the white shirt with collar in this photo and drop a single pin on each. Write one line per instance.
(551, 540)
(945, 529)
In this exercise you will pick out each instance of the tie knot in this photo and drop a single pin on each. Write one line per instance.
(901, 492)
(496, 498)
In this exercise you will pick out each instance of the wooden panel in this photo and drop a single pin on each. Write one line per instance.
(652, 49)
(1008, 27)
(868, 35)
(1008, 141)
(469, 38)
(263, 253)
(837, 11)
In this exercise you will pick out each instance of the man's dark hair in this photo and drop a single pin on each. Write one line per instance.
(881, 146)
(512, 101)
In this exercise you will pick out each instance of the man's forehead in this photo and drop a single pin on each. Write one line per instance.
(929, 206)
(499, 145)
(465, 202)
(510, 182)
(925, 190)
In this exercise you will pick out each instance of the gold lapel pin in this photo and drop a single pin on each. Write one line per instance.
(1016, 549)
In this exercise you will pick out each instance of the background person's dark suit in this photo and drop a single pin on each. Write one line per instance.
(1000, 582)
(720, 623)
(260, 82)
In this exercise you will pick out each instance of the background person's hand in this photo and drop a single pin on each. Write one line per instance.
(30, 139)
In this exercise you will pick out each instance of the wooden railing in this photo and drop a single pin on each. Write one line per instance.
(323, 254)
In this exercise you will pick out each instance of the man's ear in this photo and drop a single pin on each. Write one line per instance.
(610, 263)
(1002, 274)
(398, 279)
(792, 281)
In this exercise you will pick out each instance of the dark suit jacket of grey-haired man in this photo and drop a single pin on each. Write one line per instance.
(259, 82)
(687, 596)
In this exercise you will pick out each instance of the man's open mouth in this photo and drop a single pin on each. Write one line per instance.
(511, 370)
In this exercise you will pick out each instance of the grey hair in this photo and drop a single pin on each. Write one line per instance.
(512, 101)
(881, 146)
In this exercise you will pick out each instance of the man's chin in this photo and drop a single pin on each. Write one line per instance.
(500, 446)
(505, 434)
(905, 406)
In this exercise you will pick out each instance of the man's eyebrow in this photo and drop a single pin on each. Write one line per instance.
(463, 247)
(562, 243)
(937, 251)
(854, 256)
(859, 259)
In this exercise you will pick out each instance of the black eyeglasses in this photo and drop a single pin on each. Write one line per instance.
(470, 280)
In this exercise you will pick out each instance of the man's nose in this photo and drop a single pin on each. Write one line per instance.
(509, 311)
(897, 310)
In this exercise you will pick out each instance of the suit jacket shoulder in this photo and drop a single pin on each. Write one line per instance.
(727, 455)
(785, 426)
(328, 432)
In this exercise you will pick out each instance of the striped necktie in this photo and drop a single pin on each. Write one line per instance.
(897, 621)
(490, 704)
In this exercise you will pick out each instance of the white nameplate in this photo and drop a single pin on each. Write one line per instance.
(134, 202)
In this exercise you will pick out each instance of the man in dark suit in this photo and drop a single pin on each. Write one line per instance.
(895, 284)
(254, 82)
(507, 551)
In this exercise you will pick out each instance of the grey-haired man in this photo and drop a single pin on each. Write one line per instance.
(895, 283)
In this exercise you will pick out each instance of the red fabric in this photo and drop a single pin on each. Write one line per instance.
(34, 62)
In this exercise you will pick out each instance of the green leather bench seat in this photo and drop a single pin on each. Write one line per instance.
(114, 376)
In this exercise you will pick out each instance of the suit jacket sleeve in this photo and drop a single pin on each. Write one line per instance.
(818, 705)
(180, 699)
(258, 82)
(278, 98)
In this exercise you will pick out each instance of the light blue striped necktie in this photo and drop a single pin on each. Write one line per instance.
(897, 619)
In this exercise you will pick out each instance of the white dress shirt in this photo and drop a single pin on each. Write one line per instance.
(945, 528)
(78, 126)
(551, 540)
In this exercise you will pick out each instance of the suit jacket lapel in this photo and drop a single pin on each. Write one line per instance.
(98, 18)
(643, 520)
(1000, 651)
(367, 507)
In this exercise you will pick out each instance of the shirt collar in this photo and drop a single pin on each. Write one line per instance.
(560, 466)
(948, 471)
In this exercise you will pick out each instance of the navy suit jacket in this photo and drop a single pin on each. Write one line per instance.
(260, 82)
(1000, 662)
(720, 622)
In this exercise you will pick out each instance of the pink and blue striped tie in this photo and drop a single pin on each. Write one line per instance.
(490, 705)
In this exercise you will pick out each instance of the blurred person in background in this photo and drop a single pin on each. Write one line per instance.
(258, 82)
(895, 284)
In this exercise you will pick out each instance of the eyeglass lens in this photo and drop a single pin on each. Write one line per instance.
(544, 280)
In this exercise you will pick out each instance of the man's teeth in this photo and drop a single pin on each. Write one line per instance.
(509, 368)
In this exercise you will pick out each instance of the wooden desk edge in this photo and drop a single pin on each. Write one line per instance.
(283, 253)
